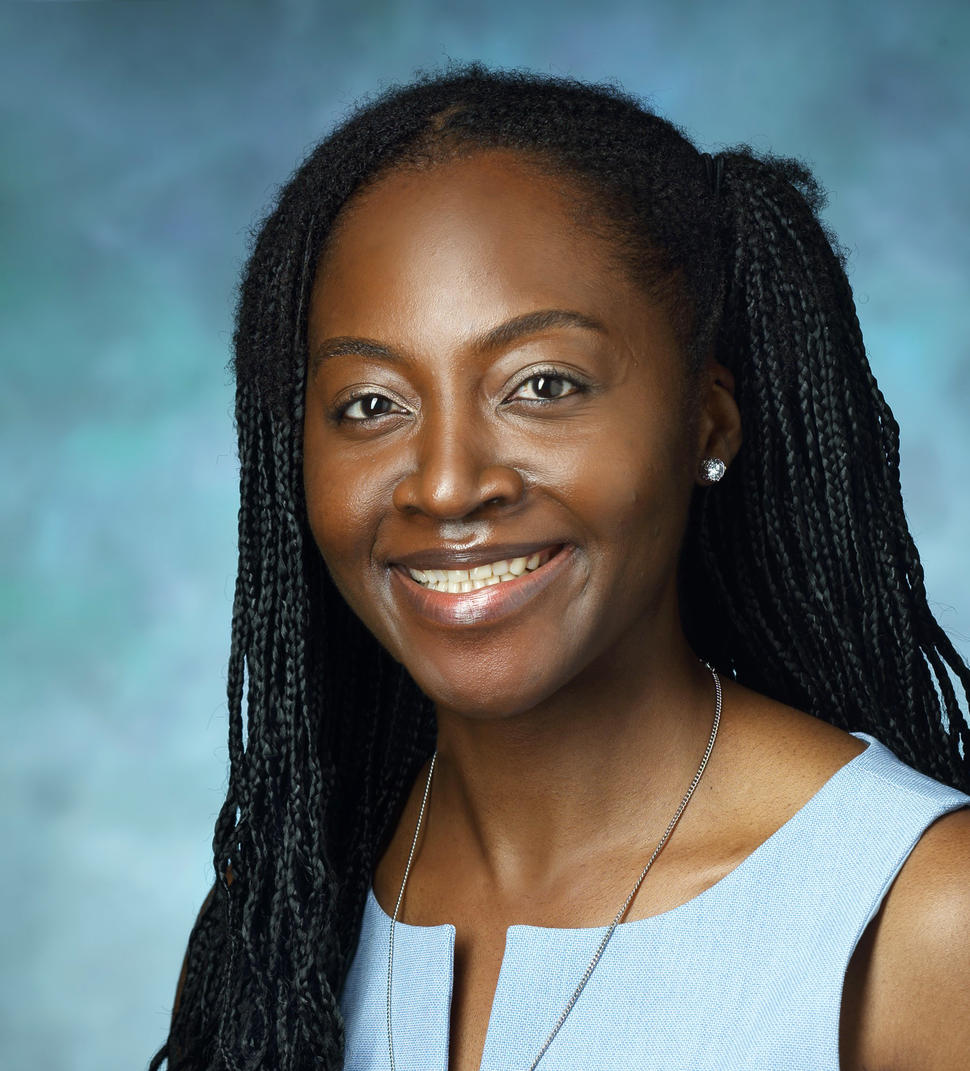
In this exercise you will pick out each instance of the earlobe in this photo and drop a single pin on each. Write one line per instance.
(720, 427)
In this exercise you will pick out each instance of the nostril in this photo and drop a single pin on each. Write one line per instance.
(454, 492)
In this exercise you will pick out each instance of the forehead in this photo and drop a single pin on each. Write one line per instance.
(463, 244)
(496, 191)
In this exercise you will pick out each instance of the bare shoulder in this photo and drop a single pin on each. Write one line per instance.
(906, 1003)
(925, 927)
(783, 754)
(913, 969)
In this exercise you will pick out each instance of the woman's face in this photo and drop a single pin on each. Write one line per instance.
(487, 385)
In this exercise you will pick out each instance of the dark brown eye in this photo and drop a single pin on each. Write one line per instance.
(546, 387)
(367, 406)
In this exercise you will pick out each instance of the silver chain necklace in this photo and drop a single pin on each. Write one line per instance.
(619, 915)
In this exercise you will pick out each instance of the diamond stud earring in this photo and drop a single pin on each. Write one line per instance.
(712, 469)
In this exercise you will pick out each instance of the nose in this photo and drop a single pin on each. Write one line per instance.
(456, 473)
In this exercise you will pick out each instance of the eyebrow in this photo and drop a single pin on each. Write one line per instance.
(529, 323)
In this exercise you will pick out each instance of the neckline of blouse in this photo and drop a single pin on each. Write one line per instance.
(736, 874)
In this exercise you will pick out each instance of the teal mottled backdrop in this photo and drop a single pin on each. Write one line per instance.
(141, 141)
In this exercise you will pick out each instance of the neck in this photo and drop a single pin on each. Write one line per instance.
(527, 797)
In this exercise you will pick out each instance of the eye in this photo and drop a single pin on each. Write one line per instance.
(546, 386)
(367, 407)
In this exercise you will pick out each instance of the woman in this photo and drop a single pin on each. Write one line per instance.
(496, 349)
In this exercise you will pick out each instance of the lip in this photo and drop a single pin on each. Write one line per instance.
(468, 557)
(486, 605)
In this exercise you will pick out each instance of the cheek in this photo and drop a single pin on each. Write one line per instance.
(637, 501)
(344, 515)
(337, 512)
(343, 507)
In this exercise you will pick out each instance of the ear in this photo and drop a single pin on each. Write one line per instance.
(718, 420)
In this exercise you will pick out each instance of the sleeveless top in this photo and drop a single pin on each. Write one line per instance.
(747, 975)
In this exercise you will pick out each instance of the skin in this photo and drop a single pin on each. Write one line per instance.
(574, 724)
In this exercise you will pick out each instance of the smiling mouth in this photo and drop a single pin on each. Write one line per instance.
(462, 581)
(467, 598)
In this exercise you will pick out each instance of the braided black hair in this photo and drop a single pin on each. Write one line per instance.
(798, 575)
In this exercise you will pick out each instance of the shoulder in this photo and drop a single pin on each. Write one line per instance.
(774, 758)
(906, 1002)
(928, 908)
(913, 973)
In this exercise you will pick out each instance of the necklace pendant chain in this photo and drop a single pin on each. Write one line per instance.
(610, 929)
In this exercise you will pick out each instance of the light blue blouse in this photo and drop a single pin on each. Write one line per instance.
(747, 976)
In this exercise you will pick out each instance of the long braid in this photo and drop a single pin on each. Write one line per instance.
(798, 573)
(823, 595)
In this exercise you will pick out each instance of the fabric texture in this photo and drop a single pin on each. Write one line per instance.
(748, 975)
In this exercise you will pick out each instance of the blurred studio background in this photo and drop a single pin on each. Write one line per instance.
(141, 141)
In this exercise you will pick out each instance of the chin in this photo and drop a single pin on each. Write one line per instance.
(478, 699)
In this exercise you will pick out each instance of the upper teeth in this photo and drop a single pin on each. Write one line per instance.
(479, 576)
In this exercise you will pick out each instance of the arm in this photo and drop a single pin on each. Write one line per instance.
(911, 976)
